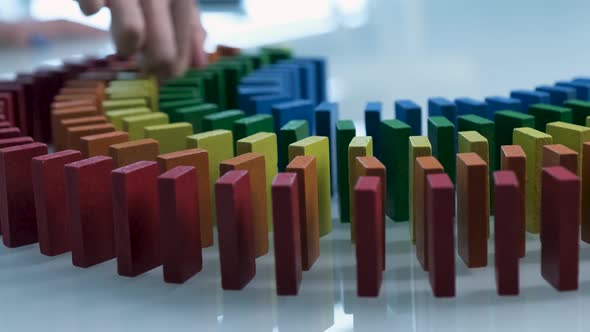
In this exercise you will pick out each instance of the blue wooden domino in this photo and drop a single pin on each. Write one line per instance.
(467, 106)
(263, 104)
(372, 124)
(321, 77)
(307, 73)
(442, 106)
(582, 89)
(528, 98)
(326, 115)
(409, 112)
(557, 94)
(497, 103)
(297, 109)
(246, 93)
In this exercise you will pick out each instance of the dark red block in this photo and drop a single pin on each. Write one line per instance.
(179, 224)
(31, 95)
(560, 233)
(235, 229)
(17, 202)
(440, 203)
(506, 231)
(8, 111)
(135, 213)
(19, 103)
(287, 235)
(368, 195)
(7, 142)
(49, 184)
(90, 210)
(9, 132)
(5, 124)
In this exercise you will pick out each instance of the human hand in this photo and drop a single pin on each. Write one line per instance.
(166, 34)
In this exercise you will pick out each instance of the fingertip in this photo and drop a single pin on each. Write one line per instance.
(128, 37)
(90, 7)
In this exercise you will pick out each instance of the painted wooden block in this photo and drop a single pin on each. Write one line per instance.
(172, 136)
(8, 107)
(5, 124)
(368, 195)
(557, 94)
(514, 159)
(506, 232)
(222, 120)
(254, 164)
(560, 216)
(17, 202)
(472, 141)
(372, 123)
(532, 142)
(8, 142)
(528, 98)
(220, 145)
(17, 92)
(90, 210)
(486, 128)
(293, 131)
(326, 117)
(170, 106)
(136, 124)
(10, 132)
(121, 104)
(582, 89)
(135, 216)
(505, 122)
(306, 169)
(498, 103)
(253, 124)
(472, 209)
(194, 115)
(560, 155)
(545, 114)
(297, 109)
(127, 153)
(98, 144)
(585, 179)
(345, 132)
(61, 129)
(360, 146)
(74, 134)
(572, 136)
(439, 106)
(410, 113)
(423, 166)
(440, 205)
(58, 115)
(287, 233)
(395, 135)
(580, 111)
(235, 229)
(419, 146)
(318, 147)
(467, 106)
(49, 188)
(441, 134)
(116, 116)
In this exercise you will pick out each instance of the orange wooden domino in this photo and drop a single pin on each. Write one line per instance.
(560, 155)
(62, 105)
(514, 159)
(98, 144)
(75, 133)
(130, 152)
(61, 134)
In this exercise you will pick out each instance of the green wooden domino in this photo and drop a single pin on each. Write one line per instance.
(116, 117)
(570, 135)
(246, 63)
(345, 132)
(213, 85)
(118, 104)
(441, 134)
(580, 110)
(134, 125)
(179, 89)
(419, 146)
(231, 77)
(164, 97)
(276, 54)
(319, 147)
(220, 147)
(291, 132)
(193, 115)
(222, 120)
(360, 146)
(395, 136)
(486, 128)
(265, 144)
(187, 82)
(532, 142)
(505, 122)
(253, 124)
(473, 141)
(545, 113)
(170, 106)
(172, 136)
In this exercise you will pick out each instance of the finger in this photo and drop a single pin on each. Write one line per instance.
(199, 56)
(159, 49)
(90, 7)
(183, 14)
(127, 26)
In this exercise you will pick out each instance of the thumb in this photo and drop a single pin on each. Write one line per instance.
(91, 7)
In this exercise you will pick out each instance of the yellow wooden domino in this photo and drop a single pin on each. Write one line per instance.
(265, 144)
(532, 142)
(120, 104)
(116, 117)
(149, 84)
(419, 146)
(134, 125)
(359, 146)
(220, 145)
(319, 147)
(172, 136)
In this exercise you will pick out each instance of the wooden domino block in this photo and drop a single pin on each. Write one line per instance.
(7, 142)
(395, 137)
(121, 104)
(61, 130)
(75, 103)
(545, 114)
(287, 233)
(17, 202)
(360, 146)
(326, 118)
(441, 134)
(9, 107)
(410, 113)
(369, 261)
(557, 94)
(136, 124)
(506, 232)
(514, 159)
(194, 115)
(58, 115)
(98, 144)
(419, 146)
(9, 132)
(485, 128)
(585, 179)
(423, 166)
(293, 131)
(467, 106)
(74, 134)
(440, 203)
(127, 153)
(307, 182)
(345, 132)
(49, 187)
(235, 229)
(473, 141)
(5, 124)
(532, 142)
(179, 206)
(199, 159)
(505, 123)
(472, 209)
(372, 124)
(560, 155)
(580, 111)
(319, 147)
(172, 137)
(572, 136)
(222, 120)
(17, 92)
(116, 116)
(135, 216)
(559, 228)
(254, 164)
(253, 124)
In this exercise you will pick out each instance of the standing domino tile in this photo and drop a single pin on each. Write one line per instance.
(441, 134)
(472, 141)
(17, 202)
(360, 146)
(486, 129)
(439, 106)
(396, 135)
(127, 153)
(172, 137)
(8, 142)
(466, 106)
(235, 229)
(253, 124)
(572, 136)
(98, 145)
(297, 109)
(513, 159)
(505, 122)
(135, 125)
(287, 237)
(116, 116)
(345, 132)
(545, 114)
(419, 146)
(90, 210)
(293, 131)
(506, 232)
(326, 118)
(582, 89)
(585, 188)
(194, 115)
(63, 127)
(528, 98)
(49, 187)
(559, 228)
(580, 111)
(557, 94)
(440, 205)
(496, 103)
(75, 133)
(410, 113)
(560, 155)
(10, 132)
(372, 122)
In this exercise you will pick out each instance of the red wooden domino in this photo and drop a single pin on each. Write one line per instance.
(17, 202)
(368, 195)
(8, 107)
(7, 142)
(9, 132)
(49, 184)
(180, 224)
(560, 155)
(135, 214)
(90, 210)
(287, 241)
(560, 218)
(506, 232)
(18, 103)
(235, 229)
(5, 124)
(440, 203)
(514, 159)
